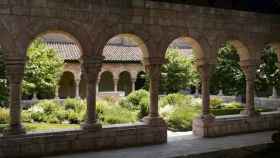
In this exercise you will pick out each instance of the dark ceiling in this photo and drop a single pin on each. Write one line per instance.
(262, 6)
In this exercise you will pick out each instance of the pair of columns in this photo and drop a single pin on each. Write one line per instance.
(249, 68)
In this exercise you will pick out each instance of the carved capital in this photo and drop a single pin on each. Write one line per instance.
(153, 70)
(91, 67)
(15, 69)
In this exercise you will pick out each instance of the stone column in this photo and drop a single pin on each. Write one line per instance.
(97, 85)
(116, 81)
(15, 73)
(205, 74)
(249, 68)
(77, 94)
(153, 69)
(133, 82)
(274, 92)
(57, 91)
(91, 67)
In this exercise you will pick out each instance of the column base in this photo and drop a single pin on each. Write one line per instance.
(250, 113)
(14, 130)
(154, 121)
(202, 124)
(91, 126)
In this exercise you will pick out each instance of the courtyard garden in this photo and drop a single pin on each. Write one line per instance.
(178, 110)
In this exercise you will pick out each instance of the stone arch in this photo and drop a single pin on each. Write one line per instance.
(134, 39)
(7, 43)
(74, 31)
(124, 83)
(195, 39)
(106, 82)
(240, 43)
(67, 85)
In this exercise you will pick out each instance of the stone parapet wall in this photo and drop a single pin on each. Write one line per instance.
(62, 142)
(236, 124)
(261, 102)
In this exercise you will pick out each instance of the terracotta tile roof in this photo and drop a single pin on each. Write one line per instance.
(70, 51)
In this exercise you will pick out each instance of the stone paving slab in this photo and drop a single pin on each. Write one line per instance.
(181, 144)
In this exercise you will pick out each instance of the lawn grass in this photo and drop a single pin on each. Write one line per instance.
(41, 127)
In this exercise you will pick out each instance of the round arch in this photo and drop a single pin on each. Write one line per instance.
(106, 82)
(125, 83)
(77, 33)
(132, 38)
(67, 85)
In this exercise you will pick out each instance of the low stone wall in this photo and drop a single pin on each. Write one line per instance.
(236, 124)
(110, 137)
(262, 102)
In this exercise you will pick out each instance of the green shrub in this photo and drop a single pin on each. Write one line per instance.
(232, 105)
(26, 117)
(216, 103)
(225, 111)
(136, 97)
(181, 117)
(4, 116)
(144, 108)
(176, 99)
(75, 104)
(117, 115)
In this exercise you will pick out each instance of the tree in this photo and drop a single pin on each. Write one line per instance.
(43, 69)
(3, 80)
(268, 74)
(228, 75)
(178, 73)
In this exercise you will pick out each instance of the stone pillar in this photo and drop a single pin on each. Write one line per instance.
(97, 85)
(274, 92)
(249, 68)
(221, 93)
(133, 82)
(91, 67)
(205, 74)
(116, 81)
(57, 91)
(77, 94)
(15, 73)
(153, 69)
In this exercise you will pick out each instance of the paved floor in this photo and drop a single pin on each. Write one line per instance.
(181, 144)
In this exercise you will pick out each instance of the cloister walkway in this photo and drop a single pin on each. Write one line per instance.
(182, 145)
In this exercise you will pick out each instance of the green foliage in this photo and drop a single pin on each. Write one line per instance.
(268, 74)
(175, 99)
(179, 72)
(4, 116)
(42, 70)
(137, 101)
(117, 115)
(226, 111)
(3, 81)
(179, 110)
(228, 75)
(216, 102)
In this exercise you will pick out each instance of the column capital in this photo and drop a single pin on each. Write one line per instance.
(91, 68)
(15, 69)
